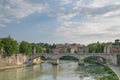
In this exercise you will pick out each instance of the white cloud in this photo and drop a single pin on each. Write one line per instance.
(2, 25)
(72, 29)
(64, 2)
(114, 29)
(11, 10)
(21, 8)
(78, 29)
(5, 20)
(112, 13)
(3, 17)
(99, 12)
(89, 9)
(66, 16)
(86, 32)
(95, 3)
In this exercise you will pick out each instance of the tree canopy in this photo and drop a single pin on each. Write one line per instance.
(1, 46)
(96, 47)
(10, 46)
(25, 48)
(68, 50)
(38, 48)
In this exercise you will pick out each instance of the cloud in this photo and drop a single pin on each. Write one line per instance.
(99, 15)
(2, 25)
(22, 8)
(94, 3)
(5, 20)
(80, 31)
(107, 11)
(11, 10)
(66, 16)
(88, 9)
(101, 12)
(65, 2)
(73, 29)
(77, 32)
(114, 29)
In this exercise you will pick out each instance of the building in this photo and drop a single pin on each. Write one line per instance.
(113, 47)
(83, 49)
(70, 48)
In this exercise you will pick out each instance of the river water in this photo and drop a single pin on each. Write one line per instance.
(66, 70)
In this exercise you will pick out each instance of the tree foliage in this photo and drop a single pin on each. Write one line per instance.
(10, 46)
(68, 50)
(48, 50)
(96, 47)
(25, 48)
(38, 48)
(48, 47)
(53, 46)
(1, 46)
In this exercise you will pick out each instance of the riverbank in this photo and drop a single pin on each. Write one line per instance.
(116, 69)
(14, 61)
(12, 67)
(99, 72)
(16, 66)
(111, 75)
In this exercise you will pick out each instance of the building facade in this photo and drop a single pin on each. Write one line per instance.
(113, 47)
(70, 48)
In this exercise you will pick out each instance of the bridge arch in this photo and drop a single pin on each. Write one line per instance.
(99, 59)
(68, 57)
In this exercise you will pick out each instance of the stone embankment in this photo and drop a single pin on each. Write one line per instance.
(116, 69)
(11, 67)
(15, 61)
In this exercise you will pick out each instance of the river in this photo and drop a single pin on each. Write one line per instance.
(66, 70)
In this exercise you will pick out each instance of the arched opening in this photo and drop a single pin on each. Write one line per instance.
(68, 61)
(95, 60)
(70, 58)
(43, 57)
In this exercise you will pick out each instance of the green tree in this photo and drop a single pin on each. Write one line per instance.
(10, 46)
(53, 46)
(68, 50)
(92, 48)
(25, 48)
(48, 50)
(46, 45)
(38, 48)
(1, 46)
(96, 47)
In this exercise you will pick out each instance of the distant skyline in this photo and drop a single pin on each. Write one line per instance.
(60, 21)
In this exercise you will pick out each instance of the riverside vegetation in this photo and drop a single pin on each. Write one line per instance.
(99, 71)
(111, 76)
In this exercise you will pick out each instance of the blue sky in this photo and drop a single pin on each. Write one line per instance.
(60, 21)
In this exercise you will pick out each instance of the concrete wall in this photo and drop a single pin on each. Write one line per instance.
(37, 60)
(118, 60)
(17, 59)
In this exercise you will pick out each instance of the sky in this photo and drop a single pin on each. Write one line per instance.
(60, 21)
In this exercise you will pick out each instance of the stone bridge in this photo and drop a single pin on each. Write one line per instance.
(109, 58)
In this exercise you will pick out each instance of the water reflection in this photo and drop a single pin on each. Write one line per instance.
(64, 71)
